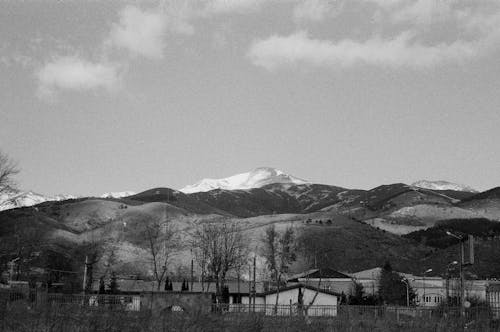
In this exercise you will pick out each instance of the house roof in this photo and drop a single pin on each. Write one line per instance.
(375, 274)
(367, 274)
(325, 273)
(139, 285)
(300, 285)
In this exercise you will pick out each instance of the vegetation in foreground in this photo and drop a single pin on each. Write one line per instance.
(76, 319)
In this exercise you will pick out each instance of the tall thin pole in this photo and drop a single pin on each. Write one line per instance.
(85, 274)
(447, 287)
(249, 288)
(424, 290)
(192, 274)
(239, 292)
(407, 294)
(462, 295)
(253, 286)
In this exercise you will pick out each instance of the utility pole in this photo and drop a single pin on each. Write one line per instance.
(192, 274)
(462, 263)
(249, 288)
(426, 271)
(239, 293)
(85, 274)
(406, 282)
(253, 284)
(462, 293)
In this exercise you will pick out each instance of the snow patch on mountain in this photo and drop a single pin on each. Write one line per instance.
(14, 199)
(442, 185)
(256, 178)
(118, 194)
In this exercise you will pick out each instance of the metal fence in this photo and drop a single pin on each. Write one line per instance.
(125, 302)
(277, 310)
(358, 312)
(136, 302)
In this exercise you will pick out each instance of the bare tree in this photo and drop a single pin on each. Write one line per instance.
(162, 244)
(93, 255)
(219, 248)
(278, 251)
(19, 250)
(8, 169)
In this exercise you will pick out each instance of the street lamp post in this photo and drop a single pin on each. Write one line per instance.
(406, 282)
(461, 262)
(426, 271)
(448, 281)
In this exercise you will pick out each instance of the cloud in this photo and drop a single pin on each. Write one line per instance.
(233, 6)
(424, 12)
(74, 73)
(140, 32)
(313, 10)
(400, 51)
(177, 14)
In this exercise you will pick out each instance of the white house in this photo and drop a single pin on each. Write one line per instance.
(325, 279)
(295, 299)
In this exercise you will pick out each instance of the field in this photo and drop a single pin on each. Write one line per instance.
(77, 318)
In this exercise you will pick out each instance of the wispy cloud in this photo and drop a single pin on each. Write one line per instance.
(314, 10)
(409, 33)
(75, 73)
(300, 48)
(140, 32)
(233, 6)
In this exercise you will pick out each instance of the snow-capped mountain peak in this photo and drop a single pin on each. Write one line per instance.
(118, 194)
(442, 185)
(15, 198)
(256, 178)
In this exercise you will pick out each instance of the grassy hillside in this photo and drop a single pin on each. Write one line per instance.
(486, 266)
(348, 230)
(353, 246)
(437, 237)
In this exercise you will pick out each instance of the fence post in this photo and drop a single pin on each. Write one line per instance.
(290, 307)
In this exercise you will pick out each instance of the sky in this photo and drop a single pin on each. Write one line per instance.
(99, 96)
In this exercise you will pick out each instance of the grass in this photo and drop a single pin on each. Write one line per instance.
(20, 317)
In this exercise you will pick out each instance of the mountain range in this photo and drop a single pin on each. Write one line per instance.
(362, 227)
(12, 198)
(256, 178)
(442, 185)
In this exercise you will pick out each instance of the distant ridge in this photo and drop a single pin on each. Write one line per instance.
(118, 194)
(443, 185)
(256, 178)
(15, 198)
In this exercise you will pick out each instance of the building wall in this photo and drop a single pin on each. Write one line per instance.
(493, 298)
(292, 295)
(430, 296)
(259, 300)
(188, 301)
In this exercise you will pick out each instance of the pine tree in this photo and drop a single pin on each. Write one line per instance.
(225, 294)
(392, 289)
(185, 286)
(168, 285)
(113, 284)
(102, 287)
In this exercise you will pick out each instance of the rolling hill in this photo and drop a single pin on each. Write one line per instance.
(354, 229)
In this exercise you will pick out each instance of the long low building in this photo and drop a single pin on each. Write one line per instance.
(430, 291)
